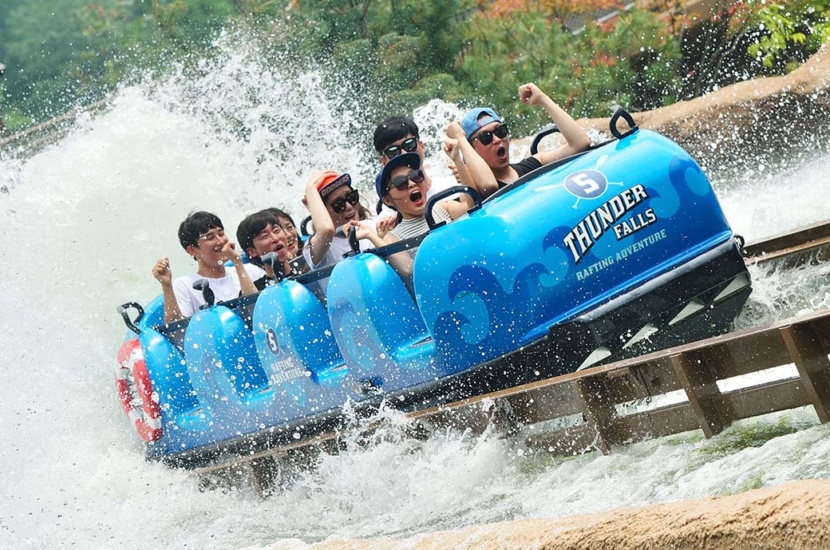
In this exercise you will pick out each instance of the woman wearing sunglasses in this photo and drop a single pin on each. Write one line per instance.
(404, 186)
(488, 134)
(335, 208)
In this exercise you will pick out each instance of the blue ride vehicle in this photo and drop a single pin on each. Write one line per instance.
(614, 252)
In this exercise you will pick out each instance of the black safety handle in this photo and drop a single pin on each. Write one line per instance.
(123, 311)
(273, 260)
(304, 226)
(204, 286)
(354, 244)
(546, 131)
(433, 200)
(619, 113)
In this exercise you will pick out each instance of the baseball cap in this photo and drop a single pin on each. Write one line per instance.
(471, 122)
(332, 182)
(413, 160)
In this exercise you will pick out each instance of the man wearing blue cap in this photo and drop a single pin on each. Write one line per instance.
(489, 136)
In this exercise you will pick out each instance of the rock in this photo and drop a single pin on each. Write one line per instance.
(750, 122)
(794, 515)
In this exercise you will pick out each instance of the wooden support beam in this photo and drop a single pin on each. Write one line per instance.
(262, 471)
(810, 358)
(513, 412)
(698, 372)
(543, 412)
(598, 407)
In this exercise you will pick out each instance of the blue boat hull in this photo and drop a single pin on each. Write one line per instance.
(619, 251)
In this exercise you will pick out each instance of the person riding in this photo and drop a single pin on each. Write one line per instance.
(396, 135)
(202, 235)
(261, 233)
(292, 238)
(469, 168)
(486, 131)
(404, 187)
(335, 209)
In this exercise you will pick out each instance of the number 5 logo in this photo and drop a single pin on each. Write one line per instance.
(586, 184)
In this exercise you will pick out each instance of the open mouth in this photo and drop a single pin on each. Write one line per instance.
(501, 152)
(415, 196)
(281, 250)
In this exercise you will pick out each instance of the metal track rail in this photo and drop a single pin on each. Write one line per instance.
(703, 385)
(810, 243)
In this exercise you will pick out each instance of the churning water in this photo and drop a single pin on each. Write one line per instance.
(84, 220)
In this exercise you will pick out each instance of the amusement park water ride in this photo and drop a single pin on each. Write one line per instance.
(609, 254)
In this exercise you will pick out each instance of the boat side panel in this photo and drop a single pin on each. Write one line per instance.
(561, 244)
(181, 410)
(377, 325)
(297, 349)
(226, 374)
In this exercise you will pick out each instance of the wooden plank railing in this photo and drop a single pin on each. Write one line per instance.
(596, 394)
(793, 247)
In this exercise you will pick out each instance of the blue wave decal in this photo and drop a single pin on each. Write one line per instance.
(509, 315)
(688, 184)
(684, 173)
(560, 261)
(358, 346)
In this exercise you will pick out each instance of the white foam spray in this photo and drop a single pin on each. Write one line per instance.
(84, 220)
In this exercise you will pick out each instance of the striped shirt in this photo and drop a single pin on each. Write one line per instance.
(414, 227)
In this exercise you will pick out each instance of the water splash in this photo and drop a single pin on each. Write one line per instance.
(84, 220)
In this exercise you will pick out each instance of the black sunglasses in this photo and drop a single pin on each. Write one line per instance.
(339, 205)
(486, 138)
(408, 145)
(402, 182)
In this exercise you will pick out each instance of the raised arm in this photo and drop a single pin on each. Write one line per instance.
(163, 274)
(324, 228)
(472, 169)
(576, 138)
(246, 285)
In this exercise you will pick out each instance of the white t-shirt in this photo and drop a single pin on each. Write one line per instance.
(224, 288)
(338, 247)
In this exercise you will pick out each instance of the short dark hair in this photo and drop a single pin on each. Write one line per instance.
(279, 213)
(283, 214)
(392, 129)
(253, 225)
(194, 225)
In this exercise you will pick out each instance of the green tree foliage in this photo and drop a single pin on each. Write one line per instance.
(42, 48)
(61, 53)
(782, 28)
(393, 54)
(627, 61)
(742, 40)
(396, 55)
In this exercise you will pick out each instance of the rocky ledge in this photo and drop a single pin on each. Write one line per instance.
(794, 516)
(745, 123)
